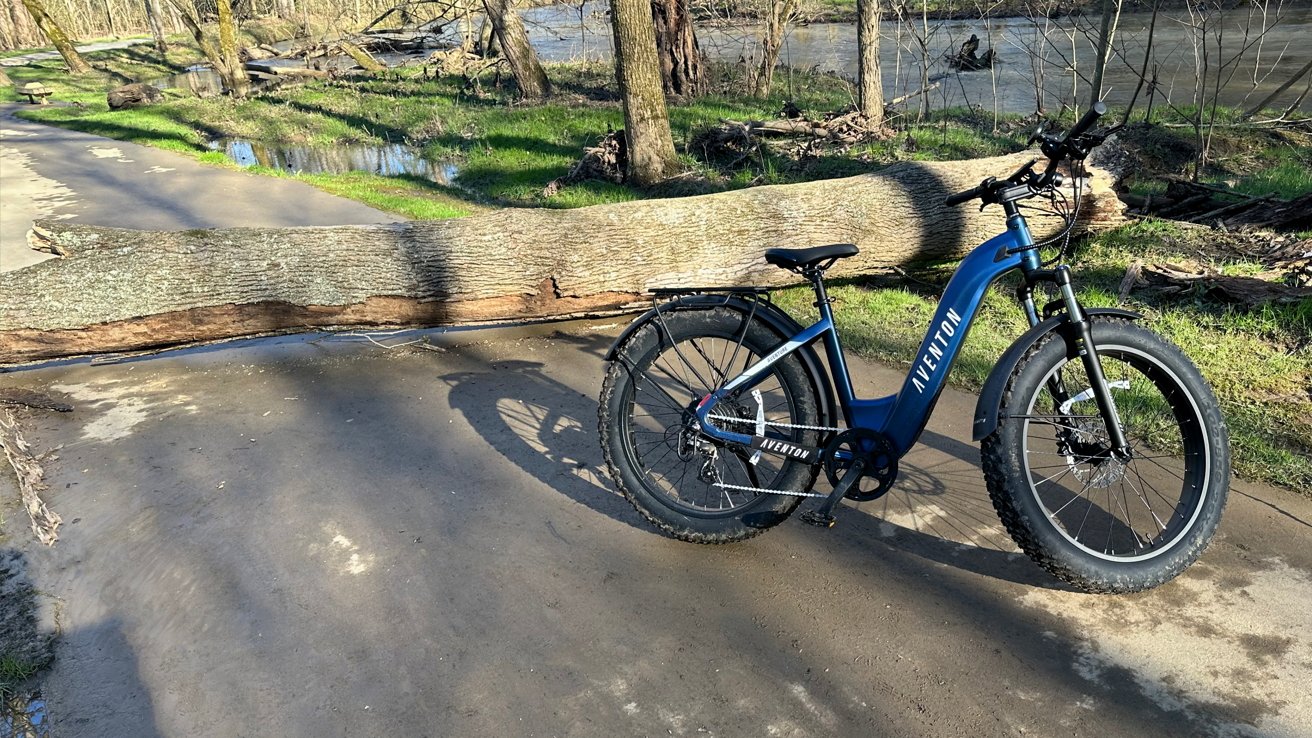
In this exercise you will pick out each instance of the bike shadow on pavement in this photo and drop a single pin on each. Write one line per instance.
(30, 633)
(549, 429)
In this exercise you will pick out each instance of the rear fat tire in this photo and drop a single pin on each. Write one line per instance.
(616, 404)
(1017, 501)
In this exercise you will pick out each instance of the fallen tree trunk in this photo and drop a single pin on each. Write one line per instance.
(119, 290)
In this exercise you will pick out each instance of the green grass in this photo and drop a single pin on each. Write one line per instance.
(13, 672)
(1253, 161)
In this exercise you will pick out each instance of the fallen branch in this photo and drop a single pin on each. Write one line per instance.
(31, 479)
(1247, 291)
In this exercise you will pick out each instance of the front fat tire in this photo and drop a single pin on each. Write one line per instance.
(614, 406)
(1017, 502)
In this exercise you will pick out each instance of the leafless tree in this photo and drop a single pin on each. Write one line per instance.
(676, 46)
(60, 40)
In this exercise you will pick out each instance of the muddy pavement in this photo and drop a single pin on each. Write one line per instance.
(329, 538)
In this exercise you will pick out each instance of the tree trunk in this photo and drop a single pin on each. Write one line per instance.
(109, 19)
(648, 143)
(772, 42)
(25, 32)
(676, 45)
(120, 290)
(519, 54)
(234, 73)
(361, 57)
(76, 64)
(1111, 13)
(153, 14)
(193, 26)
(871, 84)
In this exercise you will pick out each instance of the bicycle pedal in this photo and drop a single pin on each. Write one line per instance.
(819, 519)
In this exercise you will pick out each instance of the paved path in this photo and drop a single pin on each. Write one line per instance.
(48, 172)
(328, 538)
(123, 43)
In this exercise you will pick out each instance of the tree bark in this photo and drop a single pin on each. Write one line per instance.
(120, 290)
(25, 32)
(519, 54)
(772, 42)
(153, 14)
(234, 74)
(649, 145)
(871, 84)
(361, 57)
(76, 64)
(676, 45)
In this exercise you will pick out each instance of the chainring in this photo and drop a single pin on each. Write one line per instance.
(881, 462)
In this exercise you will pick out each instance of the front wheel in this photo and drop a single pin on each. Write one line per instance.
(689, 485)
(1100, 522)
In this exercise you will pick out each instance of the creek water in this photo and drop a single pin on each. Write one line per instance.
(1023, 46)
(387, 159)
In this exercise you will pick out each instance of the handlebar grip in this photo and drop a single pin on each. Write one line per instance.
(965, 196)
(1098, 110)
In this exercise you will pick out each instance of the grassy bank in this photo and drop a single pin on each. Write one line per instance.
(507, 153)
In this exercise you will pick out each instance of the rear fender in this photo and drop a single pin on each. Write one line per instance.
(778, 321)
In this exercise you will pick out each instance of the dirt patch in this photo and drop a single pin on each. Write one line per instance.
(1244, 653)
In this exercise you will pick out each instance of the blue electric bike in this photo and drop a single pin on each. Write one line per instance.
(1103, 449)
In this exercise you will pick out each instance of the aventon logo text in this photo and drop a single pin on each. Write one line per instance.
(934, 354)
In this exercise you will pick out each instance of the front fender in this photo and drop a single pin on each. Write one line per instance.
(989, 406)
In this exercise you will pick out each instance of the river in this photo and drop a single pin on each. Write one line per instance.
(1023, 45)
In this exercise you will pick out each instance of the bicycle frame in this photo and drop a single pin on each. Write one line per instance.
(900, 417)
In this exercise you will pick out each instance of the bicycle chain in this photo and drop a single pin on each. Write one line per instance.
(743, 488)
(790, 493)
(729, 419)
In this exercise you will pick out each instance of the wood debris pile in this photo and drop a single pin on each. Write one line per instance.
(1194, 202)
(606, 161)
(794, 135)
(1285, 276)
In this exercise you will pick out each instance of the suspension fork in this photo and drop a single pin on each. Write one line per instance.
(1025, 293)
(1078, 324)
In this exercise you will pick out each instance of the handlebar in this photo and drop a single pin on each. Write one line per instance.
(970, 194)
(1098, 110)
(1074, 145)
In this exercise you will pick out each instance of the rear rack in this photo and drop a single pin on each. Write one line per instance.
(675, 291)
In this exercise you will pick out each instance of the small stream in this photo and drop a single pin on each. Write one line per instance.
(388, 159)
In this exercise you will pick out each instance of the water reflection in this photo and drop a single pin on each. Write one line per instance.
(24, 717)
(387, 159)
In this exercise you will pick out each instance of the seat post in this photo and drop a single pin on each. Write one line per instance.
(817, 278)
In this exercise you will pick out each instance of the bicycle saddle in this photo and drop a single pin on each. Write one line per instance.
(805, 258)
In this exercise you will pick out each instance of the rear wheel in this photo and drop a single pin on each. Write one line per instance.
(1099, 522)
(687, 484)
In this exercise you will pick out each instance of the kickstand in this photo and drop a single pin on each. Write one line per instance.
(823, 516)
